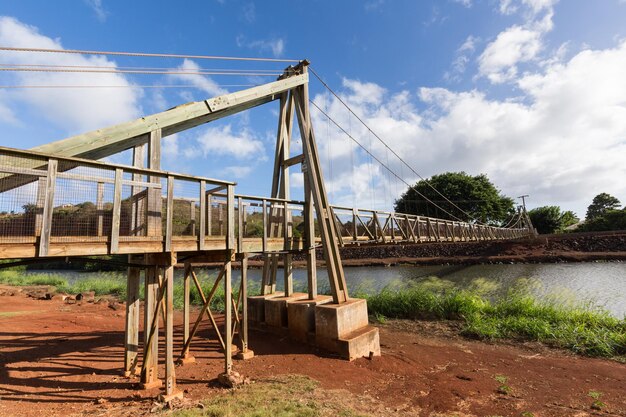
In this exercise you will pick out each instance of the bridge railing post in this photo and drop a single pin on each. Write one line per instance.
(48, 207)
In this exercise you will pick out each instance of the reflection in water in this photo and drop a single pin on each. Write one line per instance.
(597, 284)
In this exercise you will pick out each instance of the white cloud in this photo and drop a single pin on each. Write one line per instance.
(222, 141)
(202, 82)
(98, 9)
(500, 58)
(517, 44)
(463, 54)
(73, 110)
(562, 142)
(275, 46)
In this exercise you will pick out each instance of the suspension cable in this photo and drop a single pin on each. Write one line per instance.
(381, 162)
(144, 54)
(116, 71)
(387, 146)
(120, 86)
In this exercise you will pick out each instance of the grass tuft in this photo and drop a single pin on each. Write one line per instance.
(584, 330)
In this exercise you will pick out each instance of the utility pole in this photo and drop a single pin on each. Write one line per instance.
(523, 197)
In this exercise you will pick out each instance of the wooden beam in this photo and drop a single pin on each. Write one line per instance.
(117, 208)
(108, 141)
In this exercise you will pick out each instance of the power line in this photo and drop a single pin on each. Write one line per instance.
(138, 68)
(381, 162)
(115, 71)
(120, 86)
(385, 144)
(143, 54)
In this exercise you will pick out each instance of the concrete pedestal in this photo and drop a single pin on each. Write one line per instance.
(343, 328)
(276, 309)
(256, 308)
(301, 318)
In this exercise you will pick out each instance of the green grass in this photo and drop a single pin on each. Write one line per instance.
(281, 396)
(584, 329)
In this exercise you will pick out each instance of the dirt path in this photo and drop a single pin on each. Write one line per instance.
(59, 360)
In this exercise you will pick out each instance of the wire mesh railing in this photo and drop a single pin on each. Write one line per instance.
(49, 200)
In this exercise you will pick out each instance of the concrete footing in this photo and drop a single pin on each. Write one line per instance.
(339, 328)
(301, 318)
(256, 308)
(276, 309)
(344, 329)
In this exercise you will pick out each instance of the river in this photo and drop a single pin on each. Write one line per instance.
(599, 284)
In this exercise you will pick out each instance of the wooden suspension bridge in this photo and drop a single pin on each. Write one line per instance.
(58, 200)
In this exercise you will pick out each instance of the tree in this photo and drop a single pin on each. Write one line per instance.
(550, 219)
(568, 218)
(601, 204)
(610, 220)
(475, 195)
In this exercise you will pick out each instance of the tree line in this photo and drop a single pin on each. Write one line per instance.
(476, 198)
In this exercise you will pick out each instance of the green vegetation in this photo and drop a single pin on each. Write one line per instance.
(584, 330)
(596, 404)
(604, 214)
(281, 396)
(550, 219)
(503, 388)
(475, 195)
(600, 204)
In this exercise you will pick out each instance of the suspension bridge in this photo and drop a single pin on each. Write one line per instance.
(60, 200)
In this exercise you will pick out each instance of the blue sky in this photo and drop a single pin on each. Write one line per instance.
(529, 92)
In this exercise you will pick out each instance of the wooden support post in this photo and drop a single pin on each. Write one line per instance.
(228, 291)
(209, 214)
(155, 201)
(170, 376)
(117, 208)
(41, 201)
(186, 308)
(240, 212)
(202, 229)
(131, 345)
(309, 235)
(246, 352)
(355, 230)
(48, 208)
(169, 215)
(149, 371)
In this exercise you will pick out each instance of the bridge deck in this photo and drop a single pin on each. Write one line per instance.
(58, 206)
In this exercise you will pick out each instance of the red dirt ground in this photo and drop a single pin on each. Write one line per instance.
(59, 360)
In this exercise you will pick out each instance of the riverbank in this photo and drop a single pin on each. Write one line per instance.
(63, 359)
(516, 314)
(573, 247)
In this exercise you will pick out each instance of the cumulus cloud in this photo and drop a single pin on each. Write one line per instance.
(563, 141)
(517, 44)
(73, 110)
(199, 81)
(223, 141)
(513, 46)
